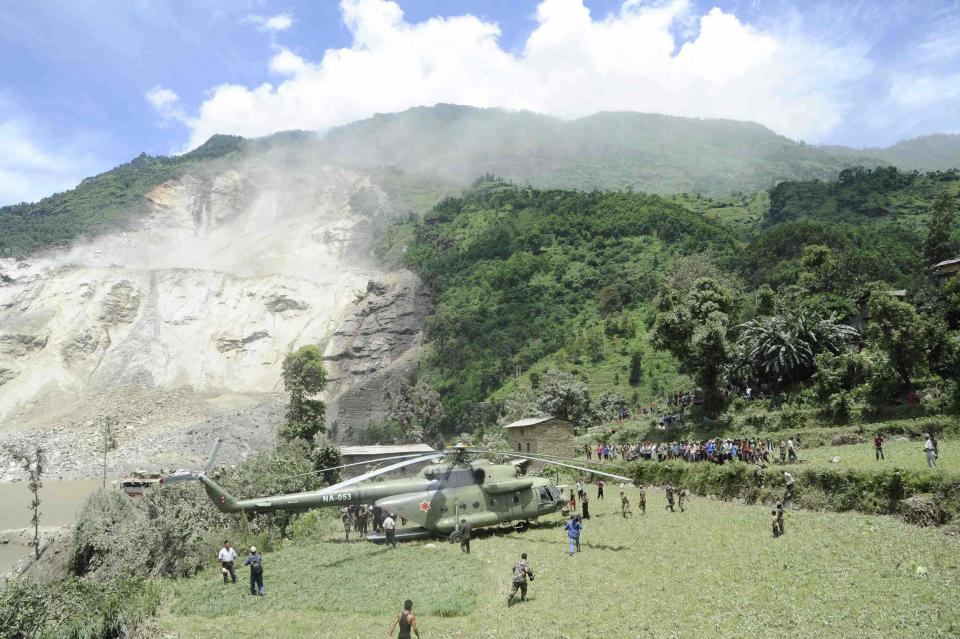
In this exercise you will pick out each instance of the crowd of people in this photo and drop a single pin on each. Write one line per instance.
(718, 451)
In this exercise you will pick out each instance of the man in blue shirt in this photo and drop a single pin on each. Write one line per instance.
(573, 532)
(255, 561)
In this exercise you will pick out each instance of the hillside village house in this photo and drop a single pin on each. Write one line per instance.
(541, 436)
(946, 269)
(356, 454)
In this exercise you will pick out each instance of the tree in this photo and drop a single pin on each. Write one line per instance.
(938, 245)
(636, 368)
(34, 465)
(327, 455)
(562, 395)
(303, 377)
(109, 442)
(418, 411)
(694, 328)
(782, 348)
(897, 329)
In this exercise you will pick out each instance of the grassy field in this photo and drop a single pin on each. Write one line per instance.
(897, 453)
(713, 570)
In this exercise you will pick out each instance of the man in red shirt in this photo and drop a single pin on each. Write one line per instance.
(878, 446)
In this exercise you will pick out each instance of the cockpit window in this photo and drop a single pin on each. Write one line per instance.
(544, 495)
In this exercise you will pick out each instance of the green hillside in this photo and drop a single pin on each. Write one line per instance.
(639, 151)
(425, 152)
(101, 202)
(526, 281)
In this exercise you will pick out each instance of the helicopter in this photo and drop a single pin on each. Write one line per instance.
(452, 490)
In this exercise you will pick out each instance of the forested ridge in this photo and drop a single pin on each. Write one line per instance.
(602, 284)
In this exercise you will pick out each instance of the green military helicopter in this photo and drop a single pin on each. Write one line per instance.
(458, 486)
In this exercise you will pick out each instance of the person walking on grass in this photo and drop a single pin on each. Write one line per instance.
(791, 451)
(624, 504)
(775, 523)
(465, 536)
(407, 622)
(780, 519)
(521, 573)
(585, 506)
(347, 518)
(226, 556)
(390, 530)
(878, 446)
(669, 490)
(255, 561)
(642, 500)
(580, 488)
(788, 487)
(600, 489)
(682, 498)
(930, 449)
(574, 526)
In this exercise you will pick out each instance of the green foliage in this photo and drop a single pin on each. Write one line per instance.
(897, 329)
(326, 454)
(515, 272)
(416, 411)
(562, 395)
(303, 376)
(286, 469)
(782, 349)
(77, 608)
(636, 368)
(163, 535)
(694, 329)
(939, 244)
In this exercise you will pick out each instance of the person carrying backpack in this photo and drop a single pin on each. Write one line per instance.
(255, 561)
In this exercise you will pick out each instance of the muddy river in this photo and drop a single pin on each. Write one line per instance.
(60, 502)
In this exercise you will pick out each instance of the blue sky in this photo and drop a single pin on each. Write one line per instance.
(88, 84)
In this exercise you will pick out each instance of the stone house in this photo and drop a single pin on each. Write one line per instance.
(946, 269)
(541, 436)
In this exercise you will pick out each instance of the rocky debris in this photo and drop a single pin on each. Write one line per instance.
(921, 510)
(226, 344)
(120, 305)
(81, 345)
(6, 375)
(19, 345)
(151, 436)
(281, 303)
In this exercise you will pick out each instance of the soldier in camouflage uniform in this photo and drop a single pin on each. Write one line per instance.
(347, 519)
(642, 501)
(521, 572)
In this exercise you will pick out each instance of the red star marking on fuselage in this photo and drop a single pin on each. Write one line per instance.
(424, 505)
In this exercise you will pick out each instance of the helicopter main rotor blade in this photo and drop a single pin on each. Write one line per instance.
(213, 456)
(555, 462)
(361, 463)
(384, 470)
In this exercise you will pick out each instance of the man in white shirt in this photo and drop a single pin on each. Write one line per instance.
(791, 451)
(931, 452)
(390, 529)
(226, 557)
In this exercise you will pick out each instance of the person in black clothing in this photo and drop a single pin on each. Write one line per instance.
(406, 621)
(585, 506)
(255, 561)
(465, 536)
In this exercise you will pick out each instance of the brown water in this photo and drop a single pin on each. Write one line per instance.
(60, 503)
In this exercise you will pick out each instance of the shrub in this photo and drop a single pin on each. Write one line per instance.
(77, 608)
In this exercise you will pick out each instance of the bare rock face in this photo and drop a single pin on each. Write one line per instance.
(375, 346)
(20, 345)
(121, 304)
(224, 274)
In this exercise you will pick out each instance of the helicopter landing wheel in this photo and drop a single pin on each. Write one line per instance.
(521, 526)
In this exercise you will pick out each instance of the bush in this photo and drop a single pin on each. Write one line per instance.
(820, 488)
(77, 608)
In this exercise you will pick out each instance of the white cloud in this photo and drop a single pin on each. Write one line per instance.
(571, 65)
(272, 24)
(28, 171)
(287, 63)
(162, 99)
